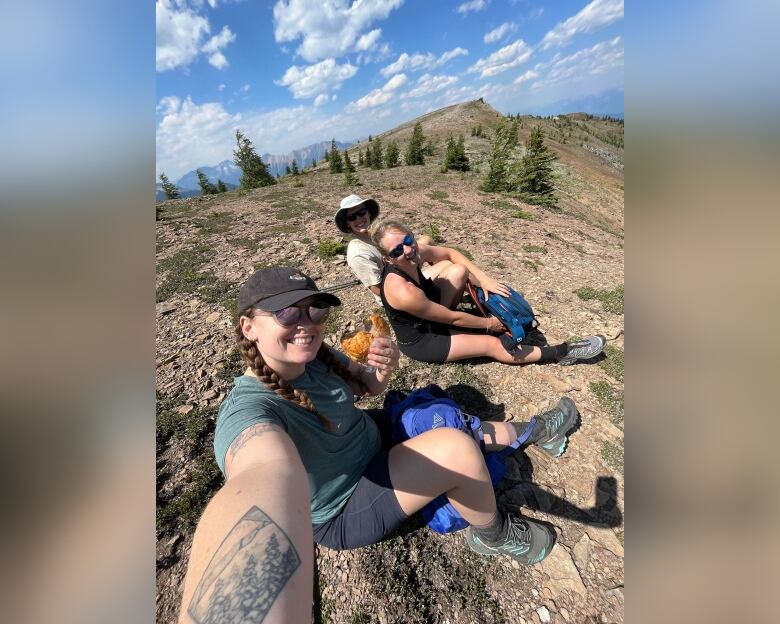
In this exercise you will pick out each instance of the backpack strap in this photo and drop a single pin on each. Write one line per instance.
(475, 298)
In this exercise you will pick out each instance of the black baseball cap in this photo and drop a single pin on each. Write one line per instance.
(278, 287)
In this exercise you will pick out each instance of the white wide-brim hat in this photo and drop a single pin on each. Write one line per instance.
(350, 202)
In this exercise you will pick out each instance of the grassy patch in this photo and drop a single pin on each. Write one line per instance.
(247, 242)
(500, 204)
(610, 399)
(612, 454)
(234, 366)
(434, 232)
(215, 223)
(222, 292)
(333, 323)
(328, 248)
(182, 271)
(170, 424)
(613, 365)
(465, 252)
(185, 508)
(612, 299)
(267, 264)
(579, 248)
(534, 249)
(437, 195)
(285, 228)
(522, 214)
(531, 265)
(499, 264)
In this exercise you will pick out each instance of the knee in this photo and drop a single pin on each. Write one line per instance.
(425, 240)
(458, 274)
(458, 451)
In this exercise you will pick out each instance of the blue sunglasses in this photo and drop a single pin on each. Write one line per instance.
(396, 251)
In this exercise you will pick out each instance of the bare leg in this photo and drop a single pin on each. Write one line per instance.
(498, 435)
(443, 461)
(432, 271)
(464, 346)
(452, 282)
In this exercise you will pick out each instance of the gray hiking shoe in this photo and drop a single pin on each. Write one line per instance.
(584, 349)
(527, 541)
(557, 423)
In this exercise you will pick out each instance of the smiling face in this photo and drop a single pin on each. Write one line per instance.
(410, 258)
(358, 220)
(286, 350)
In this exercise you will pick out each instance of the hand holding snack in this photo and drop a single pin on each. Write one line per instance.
(356, 345)
(383, 356)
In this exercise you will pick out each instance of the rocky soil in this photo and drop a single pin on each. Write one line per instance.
(207, 246)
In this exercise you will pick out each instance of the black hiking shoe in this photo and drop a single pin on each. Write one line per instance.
(555, 425)
(584, 349)
(527, 541)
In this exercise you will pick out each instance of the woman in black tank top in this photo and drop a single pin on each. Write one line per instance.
(423, 315)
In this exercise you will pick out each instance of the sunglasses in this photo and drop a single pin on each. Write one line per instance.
(396, 251)
(291, 315)
(356, 215)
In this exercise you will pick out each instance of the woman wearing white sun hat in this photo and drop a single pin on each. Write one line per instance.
(354, 216)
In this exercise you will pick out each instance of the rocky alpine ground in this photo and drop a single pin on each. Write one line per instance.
(569, 264)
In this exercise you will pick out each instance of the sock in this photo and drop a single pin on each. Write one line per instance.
(553, 354)
(494, 532)
(529, 432)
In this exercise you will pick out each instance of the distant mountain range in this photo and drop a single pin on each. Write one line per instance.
(231, 175)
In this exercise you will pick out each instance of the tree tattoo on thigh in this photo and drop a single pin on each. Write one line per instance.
(246, 574)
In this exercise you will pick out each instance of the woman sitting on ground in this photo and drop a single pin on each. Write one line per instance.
(426, 325)
(355, 216)
(303, 463)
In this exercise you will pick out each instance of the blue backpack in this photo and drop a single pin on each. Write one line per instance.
(430, 408)
(513, 311)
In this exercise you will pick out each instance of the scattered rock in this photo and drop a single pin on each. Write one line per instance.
(209, 394)
(214, 316)
(581, 552)
(185, 409)
(563, 573)
(544, 615)
(165, 308)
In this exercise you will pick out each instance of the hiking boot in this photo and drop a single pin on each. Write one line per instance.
(556, 424)
(527, 541)
(584, 349)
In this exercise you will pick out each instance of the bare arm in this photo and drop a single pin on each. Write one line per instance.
(374, 289)
(404, 296)
(252, 555)
(433, 253)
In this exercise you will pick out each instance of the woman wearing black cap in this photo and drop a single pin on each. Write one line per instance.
(302, 462)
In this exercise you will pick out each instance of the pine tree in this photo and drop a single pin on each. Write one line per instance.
(429, 151)
(326, 158)
(221, 188)
(455, 157)
(534, 180)
(336, 166)
(350, 179)
(391, 155)
(496, 179)
(254, 172)
(348, 166)
(414, 151)
(377, 155)
(313, 163)
(360, 158)
(206, 187)
(287, 170)
(368, 161)
(294, 168)
(169, 188)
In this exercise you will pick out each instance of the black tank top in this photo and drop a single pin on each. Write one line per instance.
(408, 328)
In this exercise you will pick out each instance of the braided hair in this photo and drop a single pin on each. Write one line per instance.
(278, 384)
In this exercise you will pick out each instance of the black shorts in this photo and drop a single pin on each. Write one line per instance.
(372, 512)
(432, 346)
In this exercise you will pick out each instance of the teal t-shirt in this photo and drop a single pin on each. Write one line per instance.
(334, 460)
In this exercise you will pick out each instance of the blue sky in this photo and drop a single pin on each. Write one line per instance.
(294, 72)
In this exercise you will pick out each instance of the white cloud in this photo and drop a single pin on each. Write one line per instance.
(418, 61)
(311, 80)
(245, 88)
(536, 13)
(180, 34)
(473, 5)
(368, 41)
(506, 58)
(430, 84)
(218, 60)
(529, 75)
(594, 16)
(377, 97)
(598, 59)
(328, 28)
(320, 100)
(191, 135)
(497, 34)
(221, 87)
(379, 53)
